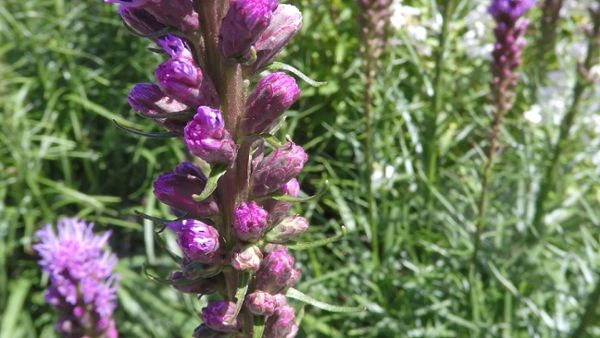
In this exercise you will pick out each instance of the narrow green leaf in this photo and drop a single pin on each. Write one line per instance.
(272, 140)
(298, 295)
(288, 198)
(145, 133)
(298, 73)
(240, 294)
(19, 290)
(317, 243)
(163, 246)
(211, 183)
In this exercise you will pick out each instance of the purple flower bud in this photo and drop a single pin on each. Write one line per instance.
(174, 46)
(207, 138)
(198, 241)
(176, 189)
(246, 258)
(219, 315)
(179, 14)
(261, 303)
(278, 168)
(149, 101)
(140, 20)
(273, 94)
(242, 25)
(181, 79)
(199, 286)
(279, 209)
(275, 271)
(287, 229)
(282, 324)
(250, 221)
(285, 23)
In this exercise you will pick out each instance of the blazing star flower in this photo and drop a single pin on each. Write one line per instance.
(82, 283)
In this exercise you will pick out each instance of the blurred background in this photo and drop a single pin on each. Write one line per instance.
(67, 66)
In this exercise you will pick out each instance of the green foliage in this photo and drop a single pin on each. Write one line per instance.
(66, 67)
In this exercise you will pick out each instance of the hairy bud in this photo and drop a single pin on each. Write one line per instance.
(281, 324)
(248, 258)
(219, 315)
(278, 168)
(250, 222)
(287, 229)
(181, 79)
(275, 271)
(198, 241)
(206, 137)
(261, 303)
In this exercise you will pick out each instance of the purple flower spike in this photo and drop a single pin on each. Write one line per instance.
(250, 222)
(207, 138)
(176, 189)
(278, 168)
(82, 284)
(246, 258)
(174, 46)
(261, 303)
(273, 94)
(510, 9)
(287, 229)
(219, 315)
(285, 23)
(282, 324)
(140, 20)
(275, 271)
(242, 25)
(198, 241)
(181, 79)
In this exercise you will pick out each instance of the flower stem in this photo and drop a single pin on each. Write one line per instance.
(582, 82)
(368, 102)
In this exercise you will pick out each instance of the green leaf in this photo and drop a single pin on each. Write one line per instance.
(207, 273)
(211, 183)
(240, 294)
(145, 133)
(298, 295)
(272, 140)
(298, 73)
(12, 312)
(317, 243)
(288, 198)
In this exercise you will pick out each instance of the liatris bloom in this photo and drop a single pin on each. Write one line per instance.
(273, 95)
(242, 25)
(178, 187)
(250, 222)
(229, 220)
(374, 17)
(82, 283)
(509, 43)
(207, 138)
(285, 23)
(278, 168)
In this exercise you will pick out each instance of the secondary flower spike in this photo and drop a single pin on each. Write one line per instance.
(242, 25)
(273, 94)
(278, 168)
(285, 23)
(206, 137)
(178, 187)
(82, 283)
(509, 43)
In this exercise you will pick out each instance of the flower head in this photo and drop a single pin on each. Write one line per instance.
(278, 168)
(198, 241)
(261, 303)
(250, 221)
(242, 25)
(82, 283)
(282, 324)
(206, 137)
(181, 79)
(219, 315)
(273, 94)
(177, 188)
(276, 271)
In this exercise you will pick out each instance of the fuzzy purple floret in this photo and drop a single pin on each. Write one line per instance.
(219, 315)
(276, 271)
(242, 25)
(261, 303)
(82, 284)
(198, 241)
(250, 221)
(278, 168)
(282, 324)
(206, 137)
(273, 95)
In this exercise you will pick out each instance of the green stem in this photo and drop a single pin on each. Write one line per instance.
(371, 205)
(549, 178)
(431, 145)
(589, 314)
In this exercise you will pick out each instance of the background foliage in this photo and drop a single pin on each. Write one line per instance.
(65, 70)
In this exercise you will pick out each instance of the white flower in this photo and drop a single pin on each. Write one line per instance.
(403, 15)
(534, 114)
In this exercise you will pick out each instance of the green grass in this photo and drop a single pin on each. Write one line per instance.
(65, 70)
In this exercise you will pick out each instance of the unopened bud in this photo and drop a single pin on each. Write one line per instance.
(282, 324)
(261, 303)
(275, 271)
(246, 258)
(287, 229)
(181, 79)
(250, 222)
(207, 138)
(278, 168)
(198, 241)
(151, 102)
(219, 315)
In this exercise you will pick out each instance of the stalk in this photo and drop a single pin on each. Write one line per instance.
(582, 82)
